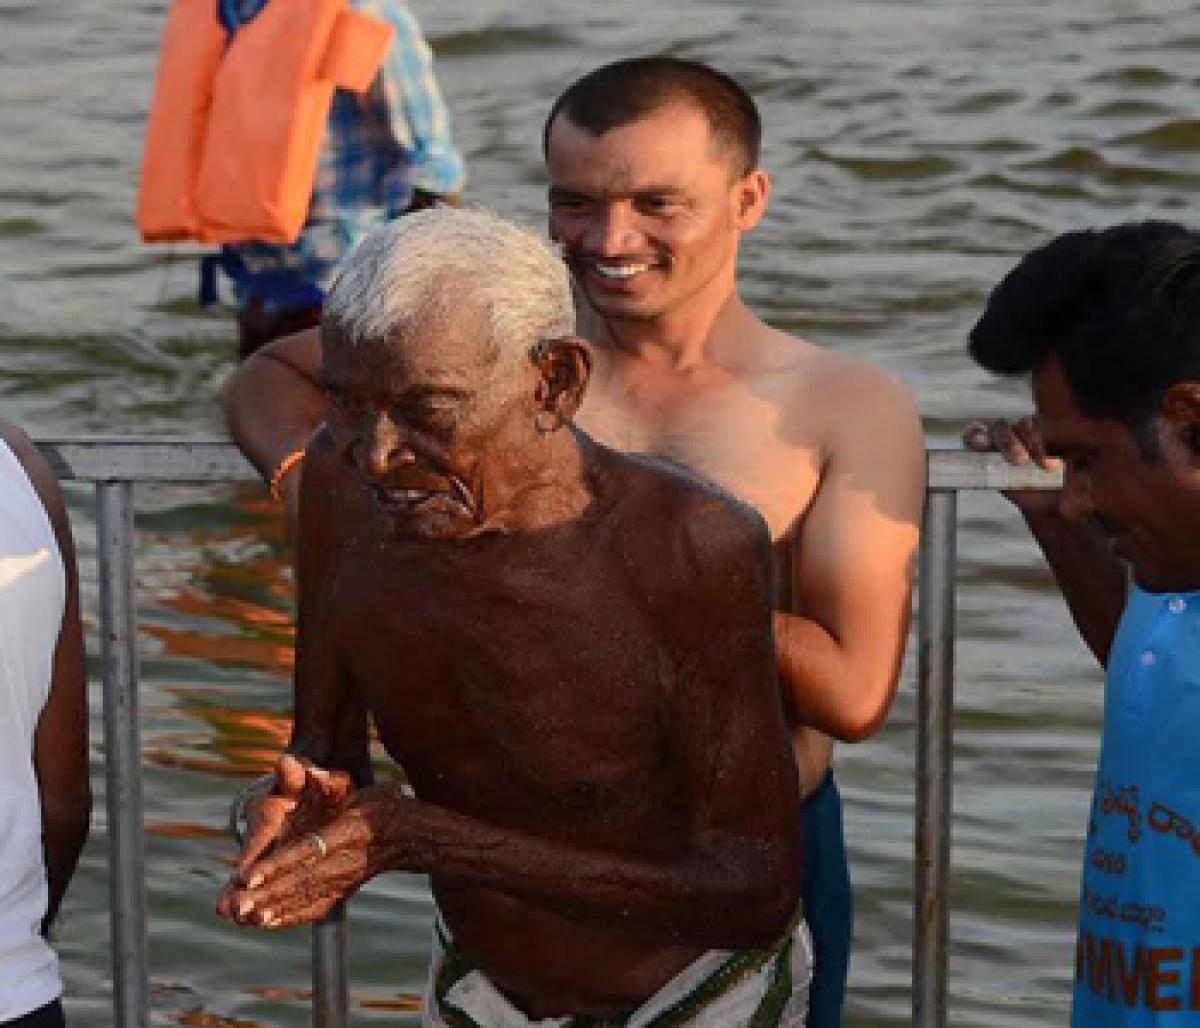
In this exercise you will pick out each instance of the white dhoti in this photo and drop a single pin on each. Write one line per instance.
(721, 989)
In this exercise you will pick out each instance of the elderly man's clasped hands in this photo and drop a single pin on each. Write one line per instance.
(308, 843)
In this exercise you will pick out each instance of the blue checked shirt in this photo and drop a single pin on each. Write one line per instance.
(378, 148)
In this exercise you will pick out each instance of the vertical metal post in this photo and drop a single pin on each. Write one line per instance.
(935, 713)
(330, 991)
(122, 748)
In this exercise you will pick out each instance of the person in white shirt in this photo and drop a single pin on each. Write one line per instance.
(45, 796)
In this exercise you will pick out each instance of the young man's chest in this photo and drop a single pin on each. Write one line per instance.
(748, 437)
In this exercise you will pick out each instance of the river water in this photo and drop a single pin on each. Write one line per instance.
(917, 149)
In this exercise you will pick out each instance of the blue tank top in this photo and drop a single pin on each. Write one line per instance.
(1137, 961)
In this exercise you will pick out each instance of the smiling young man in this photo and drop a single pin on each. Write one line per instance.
(1108, 322)
(654, 179)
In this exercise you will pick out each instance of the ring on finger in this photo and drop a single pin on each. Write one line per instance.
(320, 843)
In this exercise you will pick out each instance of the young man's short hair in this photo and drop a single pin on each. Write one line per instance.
(626, 91)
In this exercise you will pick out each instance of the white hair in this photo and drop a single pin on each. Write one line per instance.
(430, 264)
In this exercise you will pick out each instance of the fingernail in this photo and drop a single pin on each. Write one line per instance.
(244, 907)
(255, 881)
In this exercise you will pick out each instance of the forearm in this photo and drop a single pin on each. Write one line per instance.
(64, 831)
(738, 892)
(1092, 580)
(335, 743)
(272, 407)
(825, 687)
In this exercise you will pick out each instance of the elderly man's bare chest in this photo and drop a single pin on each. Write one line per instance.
(533, 681)
(749, 441)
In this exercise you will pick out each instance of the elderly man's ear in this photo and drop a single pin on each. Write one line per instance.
(563, 366)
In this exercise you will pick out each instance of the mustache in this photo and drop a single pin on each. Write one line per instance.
(586, 254)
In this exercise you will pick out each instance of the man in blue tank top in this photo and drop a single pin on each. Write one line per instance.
(1108, 322)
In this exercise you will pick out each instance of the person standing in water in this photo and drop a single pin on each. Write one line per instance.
(654, 180)
(604, 794)
(386, 152)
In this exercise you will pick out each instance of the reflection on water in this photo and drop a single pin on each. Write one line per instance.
(916, 146)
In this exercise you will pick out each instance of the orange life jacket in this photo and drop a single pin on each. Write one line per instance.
(236, 121)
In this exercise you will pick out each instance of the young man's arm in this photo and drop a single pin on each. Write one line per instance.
(60, 753)
(736, 883)
(1092, 580)
(272, 407)
(840, 651)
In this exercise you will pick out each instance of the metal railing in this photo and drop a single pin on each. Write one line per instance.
(116, 465)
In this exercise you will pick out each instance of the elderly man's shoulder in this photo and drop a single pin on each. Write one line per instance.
(696, 519)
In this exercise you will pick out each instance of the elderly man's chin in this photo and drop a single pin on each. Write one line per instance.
(439, 517)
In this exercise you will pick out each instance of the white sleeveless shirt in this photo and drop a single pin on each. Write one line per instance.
(32, 598)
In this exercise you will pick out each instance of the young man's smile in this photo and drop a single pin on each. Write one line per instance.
(649, 214)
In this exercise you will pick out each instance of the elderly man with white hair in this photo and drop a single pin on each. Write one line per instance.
(604, 795)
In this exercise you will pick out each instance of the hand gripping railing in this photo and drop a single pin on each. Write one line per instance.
(116, 465)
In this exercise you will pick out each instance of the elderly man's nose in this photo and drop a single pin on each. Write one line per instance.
(385, 447)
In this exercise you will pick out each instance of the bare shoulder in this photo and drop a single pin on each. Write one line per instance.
(709, 528)
(835, 397)
(829, 379)
(39, 472)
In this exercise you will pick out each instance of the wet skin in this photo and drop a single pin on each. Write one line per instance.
(828, 450)
(605, 787)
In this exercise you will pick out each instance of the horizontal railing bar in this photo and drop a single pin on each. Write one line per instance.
(962, 470)
(198, 460)
(216, 459)
(125, 459)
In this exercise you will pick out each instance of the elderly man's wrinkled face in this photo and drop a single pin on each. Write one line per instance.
(420, 416)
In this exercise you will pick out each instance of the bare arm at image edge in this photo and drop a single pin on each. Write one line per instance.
(840, 654)
(60, 753)
(272, 406)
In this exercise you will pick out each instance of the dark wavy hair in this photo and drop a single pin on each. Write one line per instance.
(1119, 307)
(626, 91)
